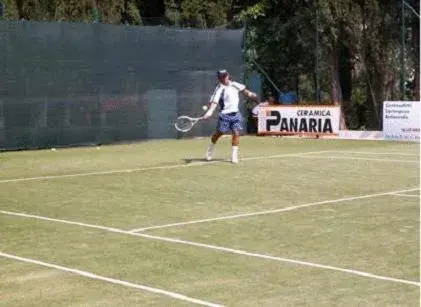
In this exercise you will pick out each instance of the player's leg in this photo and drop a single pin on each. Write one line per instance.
(209, 151)
(223, 127)
(236, 128)
(215, 137)
(235, 143)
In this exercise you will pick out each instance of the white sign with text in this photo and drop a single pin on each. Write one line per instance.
(303, 120)
(401, 120)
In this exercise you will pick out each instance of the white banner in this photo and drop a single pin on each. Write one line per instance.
(304, 120)
(401, 120)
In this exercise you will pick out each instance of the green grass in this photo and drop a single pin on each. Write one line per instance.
(377, 235)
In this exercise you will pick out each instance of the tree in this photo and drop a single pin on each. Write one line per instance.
(379, 50)
(199, 14)
(414, 53)
(280, 36)
(358, 41)
(10, 10)
(350, 47)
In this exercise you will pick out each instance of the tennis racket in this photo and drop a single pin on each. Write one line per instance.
(185, 123)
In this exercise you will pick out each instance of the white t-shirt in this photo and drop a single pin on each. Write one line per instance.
(227, 96)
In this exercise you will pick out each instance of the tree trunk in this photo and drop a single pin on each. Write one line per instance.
(19, 5)
(380, 90)
(345, 74)
(416, 46)
(336, 84)
(376, 89)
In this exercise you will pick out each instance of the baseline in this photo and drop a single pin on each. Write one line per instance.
(222, 249)
(111, 280)
(164, 167)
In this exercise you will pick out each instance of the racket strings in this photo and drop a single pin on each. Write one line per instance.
(184, 124)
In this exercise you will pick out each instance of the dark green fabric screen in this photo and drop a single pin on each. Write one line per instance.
(66, 84)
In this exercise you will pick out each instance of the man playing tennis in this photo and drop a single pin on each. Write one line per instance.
(226, 94)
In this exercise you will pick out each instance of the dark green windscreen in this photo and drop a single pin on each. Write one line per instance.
(67, 84)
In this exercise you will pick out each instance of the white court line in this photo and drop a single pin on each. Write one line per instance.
(164, 167)
(358, 158)
(219, 248)
(241, 215)
(112, 280)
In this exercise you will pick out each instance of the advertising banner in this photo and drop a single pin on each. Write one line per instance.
(401, 120)
(301, 120)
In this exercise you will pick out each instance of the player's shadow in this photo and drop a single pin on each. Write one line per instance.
(192, 160)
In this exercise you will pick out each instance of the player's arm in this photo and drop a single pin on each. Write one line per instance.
(210, 111)
(251, 95)
(213, 102)
(246, 91)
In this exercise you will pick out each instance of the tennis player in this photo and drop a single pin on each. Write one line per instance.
(226, 95)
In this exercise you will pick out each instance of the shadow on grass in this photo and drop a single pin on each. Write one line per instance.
(192, 160)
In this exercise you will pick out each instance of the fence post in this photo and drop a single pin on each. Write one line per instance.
(403, 47)
(317, 54)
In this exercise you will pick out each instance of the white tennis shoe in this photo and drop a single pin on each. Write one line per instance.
(208, 155)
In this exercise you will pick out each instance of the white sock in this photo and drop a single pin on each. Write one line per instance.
(234, 151)
(211, 146)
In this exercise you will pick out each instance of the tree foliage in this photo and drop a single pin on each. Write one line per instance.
(331, 51)
(352, 47)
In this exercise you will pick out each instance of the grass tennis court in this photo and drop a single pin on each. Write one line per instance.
(299, 222)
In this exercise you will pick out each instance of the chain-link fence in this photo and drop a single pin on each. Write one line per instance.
(66, 84)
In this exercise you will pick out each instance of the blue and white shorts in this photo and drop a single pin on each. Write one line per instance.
(230, 122)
